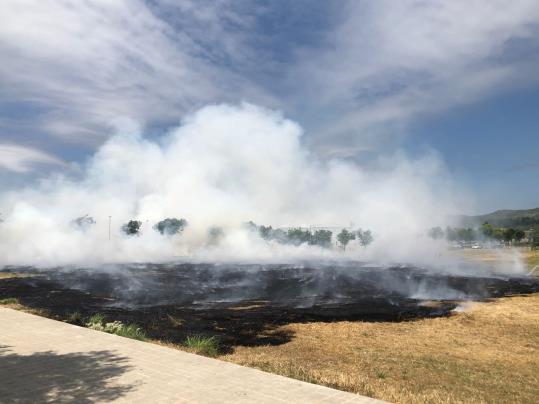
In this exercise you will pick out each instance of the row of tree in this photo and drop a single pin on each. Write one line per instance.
(364, 237)
(295, 236)
(485, 232)
(166, 227)
(319, 237)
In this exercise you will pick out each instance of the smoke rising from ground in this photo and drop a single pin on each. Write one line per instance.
(223, 166)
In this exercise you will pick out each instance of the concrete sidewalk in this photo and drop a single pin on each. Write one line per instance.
(45, 360)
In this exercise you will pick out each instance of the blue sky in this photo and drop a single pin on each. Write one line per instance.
(363, 78)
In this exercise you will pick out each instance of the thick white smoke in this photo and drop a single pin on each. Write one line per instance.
(223, 166)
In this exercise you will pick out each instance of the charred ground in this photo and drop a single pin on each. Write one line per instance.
(247, 305)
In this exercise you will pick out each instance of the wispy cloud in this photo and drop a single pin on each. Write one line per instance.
(373, 67)
(20, 159)
(87, 63)
(388, 62)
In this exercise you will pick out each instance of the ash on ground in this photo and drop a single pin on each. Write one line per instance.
(246, 304)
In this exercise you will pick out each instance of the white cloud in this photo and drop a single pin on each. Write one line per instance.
(88, 63)
(375, 66)
(391, 61)
(23, 159)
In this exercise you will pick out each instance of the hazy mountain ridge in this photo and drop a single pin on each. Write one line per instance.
(523, 219)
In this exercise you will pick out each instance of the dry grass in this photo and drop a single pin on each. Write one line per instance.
(532, 258)
(488, 354)
(503, 257)
(7, 275)
(15, 304)
(10, 301)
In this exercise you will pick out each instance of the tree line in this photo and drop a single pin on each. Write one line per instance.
(294, 236)
(166, 227)
(485, 232)
(319, 237)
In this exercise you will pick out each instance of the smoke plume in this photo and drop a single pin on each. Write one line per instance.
(221, 167)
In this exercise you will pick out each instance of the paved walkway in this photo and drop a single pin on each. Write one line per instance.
(45, 360)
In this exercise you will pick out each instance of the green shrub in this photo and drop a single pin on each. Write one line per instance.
(75, 318)
(128, 331)
(9, 300)
(208, 346)
(97, 322)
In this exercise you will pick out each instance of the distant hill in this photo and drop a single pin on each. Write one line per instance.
(523, 219)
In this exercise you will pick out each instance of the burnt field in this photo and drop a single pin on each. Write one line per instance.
(247, 305)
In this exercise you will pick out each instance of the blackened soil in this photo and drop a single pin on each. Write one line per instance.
(245, 306)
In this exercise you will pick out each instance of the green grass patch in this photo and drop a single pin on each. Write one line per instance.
(128, 331)
(9, 300)
(97, 322)
(203, 345)
(74, 318)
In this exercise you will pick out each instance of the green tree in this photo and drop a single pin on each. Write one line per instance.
(487, 230)
(299, 236)
(278, 235)
(436, 233)
(509, 234)
(266, 232)
(170, 226)
(466, 234)
(519, 235)
(344, 237)
(497, 233)
(365, 237)
(322, 238)
(132, 228)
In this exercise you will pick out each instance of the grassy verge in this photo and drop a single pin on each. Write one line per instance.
(97, 322)
(9, 301)
(208, 346)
